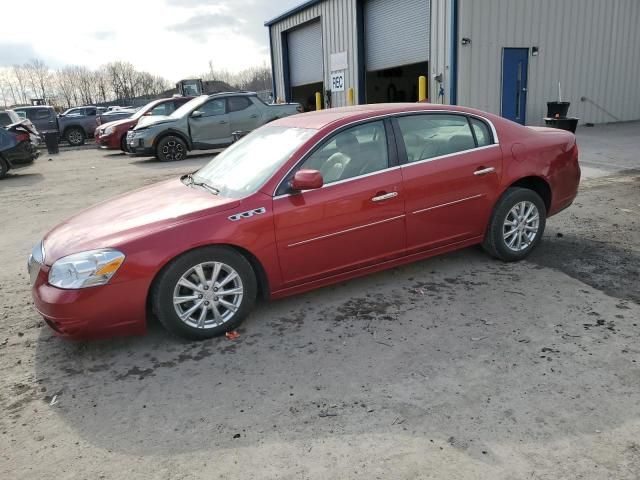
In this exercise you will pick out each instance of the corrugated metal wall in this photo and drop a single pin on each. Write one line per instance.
(340, 36)
(440, 50)
(591, 46)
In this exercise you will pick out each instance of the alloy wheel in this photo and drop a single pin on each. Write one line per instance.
(74, 137)
(520, 226)
(208, 295)
(173, 150)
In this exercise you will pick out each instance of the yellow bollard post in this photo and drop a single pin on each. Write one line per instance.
(422, 88)
(350, 96)
(318, 101)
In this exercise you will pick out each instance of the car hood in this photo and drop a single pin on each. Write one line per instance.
(116, 123)
(154, 120)
(130, 216)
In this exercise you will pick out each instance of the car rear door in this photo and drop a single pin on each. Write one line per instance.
(245, 116)
(212, 127)
(355, 220)
(451, 171)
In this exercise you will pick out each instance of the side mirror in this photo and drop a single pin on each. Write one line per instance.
(196, 114)
(306, 180)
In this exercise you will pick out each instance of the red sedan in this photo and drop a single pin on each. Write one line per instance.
(300, 203)
(113, 135)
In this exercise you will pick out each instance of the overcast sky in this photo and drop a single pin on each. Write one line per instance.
(172, 38)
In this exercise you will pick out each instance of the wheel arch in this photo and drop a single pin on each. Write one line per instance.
(174, 133)
(538, 185)
(262, 279)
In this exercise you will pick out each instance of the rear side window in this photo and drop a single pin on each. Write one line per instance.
(237, 104)
(42, 113)
(433, 135)
(482, 132)
(90, 112)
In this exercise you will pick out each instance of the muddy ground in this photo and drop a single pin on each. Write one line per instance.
(455, 367)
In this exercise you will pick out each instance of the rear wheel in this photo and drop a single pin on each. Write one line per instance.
(205, 293)
(75, 136)
(171, 149)
(516, 226)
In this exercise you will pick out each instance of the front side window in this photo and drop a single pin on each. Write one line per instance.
(433, 135)
(91, 112)
(350, 153)
(213, 107)
(247, 164)
(236, 104)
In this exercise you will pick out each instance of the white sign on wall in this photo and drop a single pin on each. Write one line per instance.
(338, 61)
(337, 81)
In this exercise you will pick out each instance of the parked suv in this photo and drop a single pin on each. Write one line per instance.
(206, 122)
(77, 124)
(113, 135)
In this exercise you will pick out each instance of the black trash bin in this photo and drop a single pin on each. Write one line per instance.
(569, 124)
(557, 109)
(51, 141)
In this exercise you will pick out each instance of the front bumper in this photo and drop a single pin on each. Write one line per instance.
(139, 145)
(109, 142)
(111, 310)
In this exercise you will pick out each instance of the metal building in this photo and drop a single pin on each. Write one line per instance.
(503, 56)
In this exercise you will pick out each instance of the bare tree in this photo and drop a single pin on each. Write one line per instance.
(20, 76)
(39, 77)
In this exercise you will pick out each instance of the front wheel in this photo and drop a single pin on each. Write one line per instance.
(75, 137)
(205, 293)
(171, 149)
(516, 226)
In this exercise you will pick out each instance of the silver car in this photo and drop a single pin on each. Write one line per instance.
(206, 122)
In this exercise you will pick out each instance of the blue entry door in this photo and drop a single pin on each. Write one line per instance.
(515, 63)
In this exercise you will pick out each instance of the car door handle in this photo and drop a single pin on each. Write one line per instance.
(484, 171)
(254, 116)
(222, 122)
(384, 196)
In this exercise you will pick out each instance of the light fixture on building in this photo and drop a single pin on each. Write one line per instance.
(534, 51)
(466, 41)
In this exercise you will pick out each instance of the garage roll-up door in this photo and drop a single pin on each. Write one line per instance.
(396, 33)
(305, 54)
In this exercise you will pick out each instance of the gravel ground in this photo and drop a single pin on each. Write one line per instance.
(455, 367)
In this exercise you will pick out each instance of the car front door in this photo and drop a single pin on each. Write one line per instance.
(244, 114)
(451, 171)
(209, 124)
(356, 219)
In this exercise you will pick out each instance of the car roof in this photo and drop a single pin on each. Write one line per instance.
(31, 107)
(235, 94)
(324, 118)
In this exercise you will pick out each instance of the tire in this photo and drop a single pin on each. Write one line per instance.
(516, 225)
(182, 280)
(4, 167)
(171, 149)
(75, 136)
(123, 143)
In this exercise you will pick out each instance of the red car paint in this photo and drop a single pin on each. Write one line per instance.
(114, 140)
(434, 207)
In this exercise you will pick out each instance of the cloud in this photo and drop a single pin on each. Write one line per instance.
(104, 35)
(21, 53)
(197, 27)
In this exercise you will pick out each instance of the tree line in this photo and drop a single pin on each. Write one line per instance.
(74, 85)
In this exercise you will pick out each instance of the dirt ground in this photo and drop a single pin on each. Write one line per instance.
(458, 367)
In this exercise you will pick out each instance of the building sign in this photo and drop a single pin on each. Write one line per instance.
(338, 61)
(337, 81)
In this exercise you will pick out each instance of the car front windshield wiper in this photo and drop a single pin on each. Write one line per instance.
(190, 180)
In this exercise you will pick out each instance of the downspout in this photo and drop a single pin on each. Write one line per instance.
(453, 80)
(273, 68)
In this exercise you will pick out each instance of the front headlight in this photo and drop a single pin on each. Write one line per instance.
(109, 130)
(85, 269)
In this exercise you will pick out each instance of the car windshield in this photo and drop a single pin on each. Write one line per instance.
(189, 106)
(141, 111)
(245, 166)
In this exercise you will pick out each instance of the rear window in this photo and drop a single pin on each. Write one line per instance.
(39, 114)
